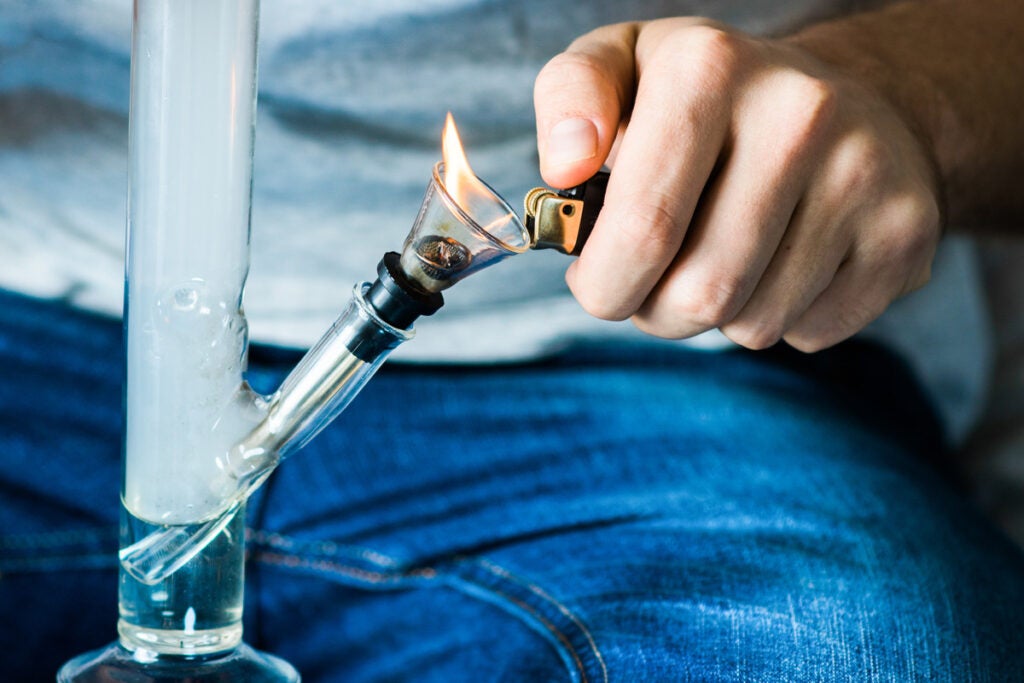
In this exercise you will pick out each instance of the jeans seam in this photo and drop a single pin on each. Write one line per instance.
(328, 558)
(463, 570)
(477, 577)
(376, 578)
(283, 543)
(534, 588)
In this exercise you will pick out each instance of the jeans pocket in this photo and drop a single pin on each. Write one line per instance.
(475, 578)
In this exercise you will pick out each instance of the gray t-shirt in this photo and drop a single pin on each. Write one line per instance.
(352, 100)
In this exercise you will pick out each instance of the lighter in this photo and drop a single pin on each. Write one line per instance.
(563, 219)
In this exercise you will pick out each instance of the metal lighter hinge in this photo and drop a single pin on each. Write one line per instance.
(564, 219)
(552, 220)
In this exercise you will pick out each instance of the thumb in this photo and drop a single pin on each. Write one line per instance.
(580, 97)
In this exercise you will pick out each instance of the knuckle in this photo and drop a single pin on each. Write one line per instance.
(713, 45)
(658, 327)
(754, 335)
(717, 58)
(709, 57)
(712, 303)
(854, 315)
(650, 224)
(864, 166)
(812, 105)
(818, 99)
(600, 304)
(847, 319)
(912, 253)
(803, 119)
(601, 308)
(911, 243)
(809, 344)
(923, 213)
(910, 233)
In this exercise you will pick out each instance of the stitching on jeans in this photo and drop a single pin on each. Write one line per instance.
(560, 606)
(506, 576)
(329, 567)
(389, 576)
(562, 638)
(280, 542)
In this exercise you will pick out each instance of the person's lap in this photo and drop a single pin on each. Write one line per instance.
(632, 514)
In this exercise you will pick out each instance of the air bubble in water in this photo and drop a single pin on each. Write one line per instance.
(185, 298)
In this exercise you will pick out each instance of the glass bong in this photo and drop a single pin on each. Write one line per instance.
(198, 440)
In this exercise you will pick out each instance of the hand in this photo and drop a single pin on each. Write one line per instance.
(754, 187)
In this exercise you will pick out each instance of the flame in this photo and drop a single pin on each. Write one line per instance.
(465, 188)
(459, 179)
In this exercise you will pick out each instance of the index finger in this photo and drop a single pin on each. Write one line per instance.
(677, 131)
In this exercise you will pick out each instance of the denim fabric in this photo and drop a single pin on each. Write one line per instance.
(614, 514)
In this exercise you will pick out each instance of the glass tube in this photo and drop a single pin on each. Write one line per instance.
(191, 146)
(191, 120)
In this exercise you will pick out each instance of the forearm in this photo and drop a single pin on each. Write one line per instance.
(955, 70)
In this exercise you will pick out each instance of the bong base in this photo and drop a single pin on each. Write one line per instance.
(115, 664)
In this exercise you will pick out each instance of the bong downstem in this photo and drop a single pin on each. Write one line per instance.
(320, 387)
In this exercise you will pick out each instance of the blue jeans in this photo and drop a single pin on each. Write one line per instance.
(614, 514)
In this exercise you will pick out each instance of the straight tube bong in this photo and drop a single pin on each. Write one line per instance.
(193, 91)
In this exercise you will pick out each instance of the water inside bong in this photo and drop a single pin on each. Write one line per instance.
(197, 609)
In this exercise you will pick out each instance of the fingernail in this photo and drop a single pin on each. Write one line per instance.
(570, 141)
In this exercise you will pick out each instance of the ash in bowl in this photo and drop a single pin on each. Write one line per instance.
(442, 257)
